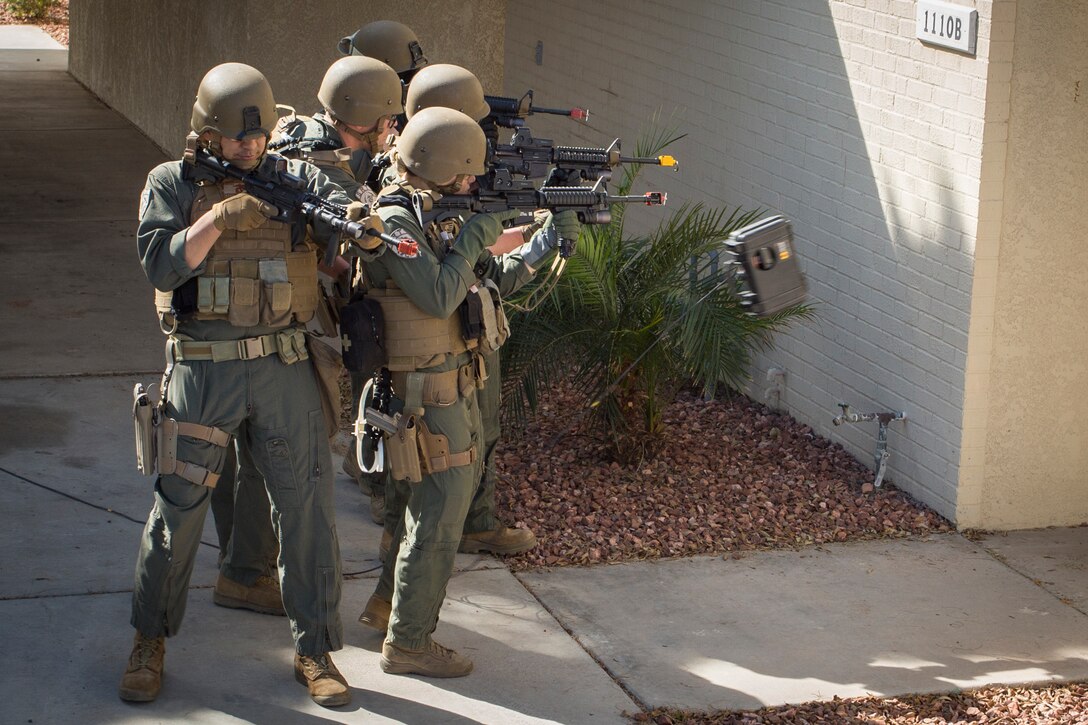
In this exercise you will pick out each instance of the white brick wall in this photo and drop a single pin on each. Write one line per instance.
(833, 114)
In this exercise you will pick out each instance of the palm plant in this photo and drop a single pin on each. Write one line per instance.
(633, 319)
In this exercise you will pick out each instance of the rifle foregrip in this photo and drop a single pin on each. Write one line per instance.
(570, 196)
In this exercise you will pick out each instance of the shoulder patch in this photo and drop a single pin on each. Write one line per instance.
(366, 195)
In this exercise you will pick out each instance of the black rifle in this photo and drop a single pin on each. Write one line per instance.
(295, 204)
(537, 158)
(592, 203)
(512, 112)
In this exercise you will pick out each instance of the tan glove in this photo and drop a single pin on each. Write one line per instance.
(356, 211)
(242, 212)
(370, 221)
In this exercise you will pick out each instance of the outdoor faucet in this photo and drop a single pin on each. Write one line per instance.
(881, 458)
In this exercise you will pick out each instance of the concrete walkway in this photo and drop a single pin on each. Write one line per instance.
(569, 646)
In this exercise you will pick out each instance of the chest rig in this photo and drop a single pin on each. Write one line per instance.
(250, 278)
(414, 339)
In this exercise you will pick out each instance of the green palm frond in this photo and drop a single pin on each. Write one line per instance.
(634, 319)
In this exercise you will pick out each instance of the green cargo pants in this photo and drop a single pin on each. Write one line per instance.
(276, 409)
(243, 518)
(481, 511)
(416, 575)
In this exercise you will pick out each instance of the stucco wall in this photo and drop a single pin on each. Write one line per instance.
(145, 57)
(1032, 401)
(833, 114)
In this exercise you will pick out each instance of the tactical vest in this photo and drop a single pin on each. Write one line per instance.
(250, 278)
(414, 339)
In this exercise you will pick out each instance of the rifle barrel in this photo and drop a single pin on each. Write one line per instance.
(578, 114)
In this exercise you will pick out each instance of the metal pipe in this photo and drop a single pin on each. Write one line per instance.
(881, 457)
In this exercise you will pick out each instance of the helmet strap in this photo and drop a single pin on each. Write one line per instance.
(369, 139)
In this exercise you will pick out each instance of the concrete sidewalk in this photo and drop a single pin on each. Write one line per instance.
(569, 646)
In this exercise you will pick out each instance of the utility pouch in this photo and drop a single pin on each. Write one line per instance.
(496, 328)
(402, 450)
(482, 316)
(144, 413)
(327, 367)
(291, 345)
(362, 330)
(472, 314)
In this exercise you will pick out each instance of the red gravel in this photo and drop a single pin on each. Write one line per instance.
(730, 476)
(1066, 704)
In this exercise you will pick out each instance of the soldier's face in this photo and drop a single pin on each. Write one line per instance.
(460, 184)
(385, 126)
(245, 153)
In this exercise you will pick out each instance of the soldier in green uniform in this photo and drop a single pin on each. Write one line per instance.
(360, 98)
(390, 42)
(394, 44)
(436, 370)
(233, 289)
(451, 86)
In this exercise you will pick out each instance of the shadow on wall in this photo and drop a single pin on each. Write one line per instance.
(801, 110)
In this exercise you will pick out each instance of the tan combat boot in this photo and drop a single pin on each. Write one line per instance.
(432, 660)
(376, 614)
(143, 678)
(503, 540)
(326, 685)
(264, 596)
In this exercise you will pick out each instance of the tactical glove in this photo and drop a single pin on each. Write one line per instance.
(480, 232)
(241, 212)
(373, 221)
(566, 224)
(356, 211)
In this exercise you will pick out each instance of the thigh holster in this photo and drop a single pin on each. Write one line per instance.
(157, 442)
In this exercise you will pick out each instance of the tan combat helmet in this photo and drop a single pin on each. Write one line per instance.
(359, 90)
(449, 86)
(438, 144)
(390, 42)
(235, 100)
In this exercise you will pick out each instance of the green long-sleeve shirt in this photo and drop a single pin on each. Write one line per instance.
(165, 207)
